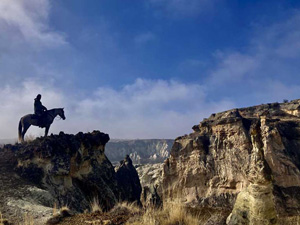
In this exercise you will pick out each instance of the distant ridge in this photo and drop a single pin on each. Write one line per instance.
(139, 150)
(8, 141)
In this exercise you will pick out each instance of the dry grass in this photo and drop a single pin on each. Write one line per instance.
(172, 214)
(131, 206)
(27, 219)
(1, 219)
(95, 205)
(55, 211)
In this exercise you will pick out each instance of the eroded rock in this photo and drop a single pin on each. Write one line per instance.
(243, 162)
(59, 170)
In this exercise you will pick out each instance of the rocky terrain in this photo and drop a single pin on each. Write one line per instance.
(242, 165)
(60, 170)
(140, 151)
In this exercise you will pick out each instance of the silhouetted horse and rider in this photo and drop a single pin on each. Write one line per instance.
(41, 117)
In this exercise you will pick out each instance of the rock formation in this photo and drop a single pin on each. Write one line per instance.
(61, 170)
(140, 151)
(243, 164)
(73, 168)
(128, 181)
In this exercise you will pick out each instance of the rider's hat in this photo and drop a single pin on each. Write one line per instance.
(39, 96)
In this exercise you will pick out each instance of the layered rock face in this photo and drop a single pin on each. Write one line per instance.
(73, 168)
(62, 170)
(243, 162)
(140, 151)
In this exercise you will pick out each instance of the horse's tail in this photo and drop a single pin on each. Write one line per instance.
(20, 130)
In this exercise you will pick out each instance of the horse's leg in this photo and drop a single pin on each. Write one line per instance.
(20, 130)
(25, 128)
(47, 130)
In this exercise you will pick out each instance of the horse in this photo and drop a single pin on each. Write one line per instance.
(31, 119)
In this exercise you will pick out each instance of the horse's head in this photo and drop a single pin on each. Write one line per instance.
(61, 113)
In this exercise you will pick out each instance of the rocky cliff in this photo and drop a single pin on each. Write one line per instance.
(243, 164)
(59, 170)
(140, 151)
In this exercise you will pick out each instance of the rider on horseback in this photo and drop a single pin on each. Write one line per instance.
(39, 109)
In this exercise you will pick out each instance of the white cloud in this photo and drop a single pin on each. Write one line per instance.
(28, 21)
(233, 67)
(147, 108)
(270, 59)
(144, 109)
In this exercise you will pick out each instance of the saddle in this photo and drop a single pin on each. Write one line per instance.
(41, 119)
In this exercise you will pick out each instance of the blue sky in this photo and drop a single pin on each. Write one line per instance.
(144, 68)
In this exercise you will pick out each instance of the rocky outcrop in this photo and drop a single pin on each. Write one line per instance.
(242, 162)
(128, 181)
(62, 170)
(73, 168)
(140, 151)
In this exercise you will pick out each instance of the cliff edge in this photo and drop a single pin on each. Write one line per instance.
(56, 171)
(242, 164)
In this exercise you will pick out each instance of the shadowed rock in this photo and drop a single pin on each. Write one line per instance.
(128, 181)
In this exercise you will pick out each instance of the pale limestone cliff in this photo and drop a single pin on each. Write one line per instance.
(140, 150)
(243, 162)
(151, 181)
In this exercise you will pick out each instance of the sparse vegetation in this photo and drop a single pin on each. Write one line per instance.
(171, 214)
